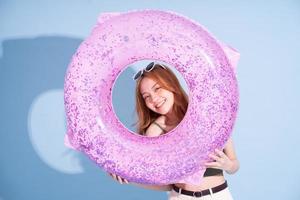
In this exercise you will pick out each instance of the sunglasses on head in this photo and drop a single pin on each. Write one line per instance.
(149, 67)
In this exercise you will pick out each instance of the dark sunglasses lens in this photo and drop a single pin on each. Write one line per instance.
(149, 67)
(137, 75)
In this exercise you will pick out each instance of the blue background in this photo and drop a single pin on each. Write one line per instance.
(38, 39)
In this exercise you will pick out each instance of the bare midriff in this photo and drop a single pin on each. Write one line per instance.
(207, 182)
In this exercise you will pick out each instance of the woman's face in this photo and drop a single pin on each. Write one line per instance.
(156, 98)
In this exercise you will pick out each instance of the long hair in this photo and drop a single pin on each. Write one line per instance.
(167, 80)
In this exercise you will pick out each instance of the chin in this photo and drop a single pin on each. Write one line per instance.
(164, 112)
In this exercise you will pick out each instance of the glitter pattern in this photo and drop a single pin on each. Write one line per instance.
(120, 39)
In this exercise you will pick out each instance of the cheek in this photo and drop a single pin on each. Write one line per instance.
(149, 105)
(170, 96)
(171, 100)
(165, 93)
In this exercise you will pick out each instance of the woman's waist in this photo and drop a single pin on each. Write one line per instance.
(207, 182)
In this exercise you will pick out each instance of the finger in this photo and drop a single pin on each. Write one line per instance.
(214, 157)
(114, 176)
(219, 160)
(120, 179)
(212, 164)
(124, 180)
(220, 153)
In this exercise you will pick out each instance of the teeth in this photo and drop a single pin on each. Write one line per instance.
(160, 104)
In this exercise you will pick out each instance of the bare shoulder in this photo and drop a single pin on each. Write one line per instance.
(161, 120)
(153, 130)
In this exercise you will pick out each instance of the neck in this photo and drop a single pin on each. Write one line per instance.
(171, 120)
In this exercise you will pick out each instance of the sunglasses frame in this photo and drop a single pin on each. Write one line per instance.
(149, 68)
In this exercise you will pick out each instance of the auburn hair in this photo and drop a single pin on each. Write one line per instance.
(167, 80)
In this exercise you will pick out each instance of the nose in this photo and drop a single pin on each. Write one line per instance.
(155, 98)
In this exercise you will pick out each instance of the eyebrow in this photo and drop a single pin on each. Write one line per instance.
(151, 88)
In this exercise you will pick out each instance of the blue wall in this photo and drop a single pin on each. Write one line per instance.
(38, 39)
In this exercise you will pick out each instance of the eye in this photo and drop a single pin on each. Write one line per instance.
(157, 88)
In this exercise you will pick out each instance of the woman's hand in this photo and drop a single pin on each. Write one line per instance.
(221, 161)
(118, 178)
(151, 187)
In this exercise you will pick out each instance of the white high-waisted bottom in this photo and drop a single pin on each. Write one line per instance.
(221, 195)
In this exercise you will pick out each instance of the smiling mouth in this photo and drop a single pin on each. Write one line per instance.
(160, 104)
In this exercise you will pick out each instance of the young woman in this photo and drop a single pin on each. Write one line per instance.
(161, 103)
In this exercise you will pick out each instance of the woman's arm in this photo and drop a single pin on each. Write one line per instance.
(230, 152)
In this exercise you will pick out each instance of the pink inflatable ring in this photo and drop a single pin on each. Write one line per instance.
(120, 39)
